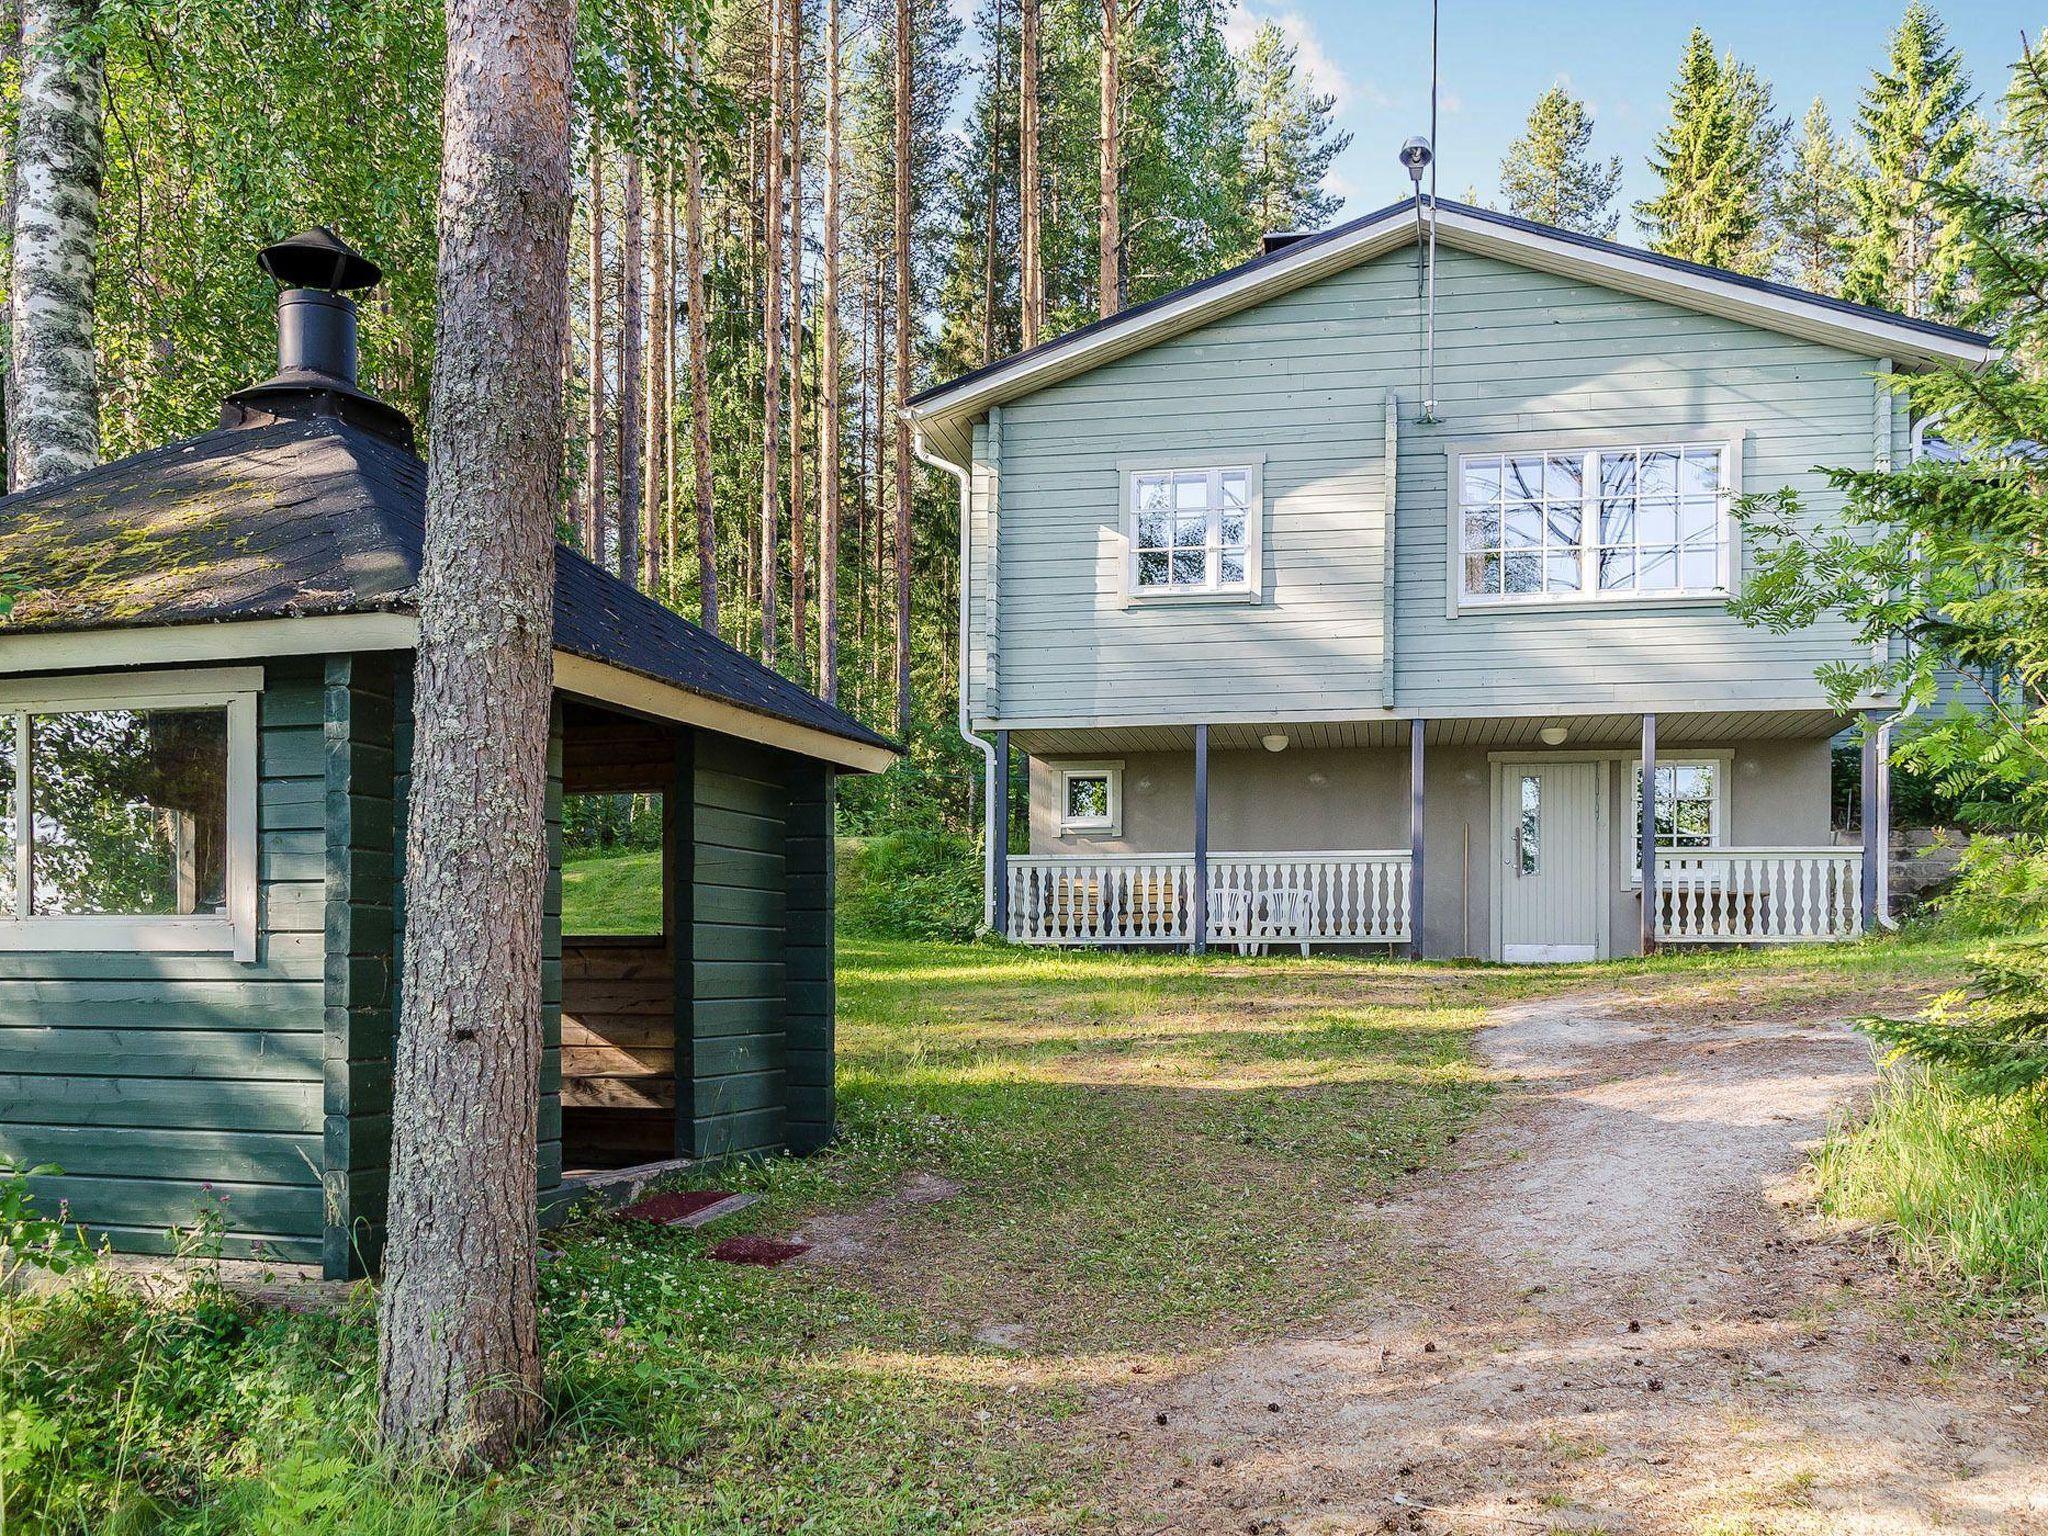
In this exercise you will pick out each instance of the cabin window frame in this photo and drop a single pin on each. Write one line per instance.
(1213, 589)
(1722, 766)
(232, 931)
(1111, 822)
(1585, 554)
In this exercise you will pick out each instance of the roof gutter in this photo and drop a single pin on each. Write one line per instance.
(986, 747)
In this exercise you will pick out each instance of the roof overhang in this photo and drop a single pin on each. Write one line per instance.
(602, 682)
(947, 414)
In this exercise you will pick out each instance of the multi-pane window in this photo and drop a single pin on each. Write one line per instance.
(1191, 530)
(1688, 805)
(1606, 522)
(128, 822)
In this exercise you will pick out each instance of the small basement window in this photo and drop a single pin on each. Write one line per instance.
(1091, 798)
(1691, 806)
(128, 812)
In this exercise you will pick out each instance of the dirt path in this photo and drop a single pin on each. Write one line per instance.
(1621, 1325)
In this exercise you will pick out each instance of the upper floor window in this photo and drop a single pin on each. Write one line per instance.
(1193, 529)
(127, 812)
(1594, 524)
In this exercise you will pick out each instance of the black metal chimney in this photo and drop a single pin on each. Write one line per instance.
(315, 272)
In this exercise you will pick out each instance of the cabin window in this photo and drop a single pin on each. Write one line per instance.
(1193, 530)
(1596, 524)
(129, 818)
(1690, 805)
(1091, 798)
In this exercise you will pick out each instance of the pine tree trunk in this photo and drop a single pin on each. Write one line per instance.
(799, 551)
(593, 470)
(459, 1350)
(904, 105)
(828, 379)
(655, 478)
(1109, 166)
(771, 338)
(1031, 258)
(53, 418)
(632, 367)
(995, 165)
(700, 368)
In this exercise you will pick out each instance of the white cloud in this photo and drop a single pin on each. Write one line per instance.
(1326, 73)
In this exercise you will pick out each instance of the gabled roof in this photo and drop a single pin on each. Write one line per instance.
(947, 411)
(314, 517)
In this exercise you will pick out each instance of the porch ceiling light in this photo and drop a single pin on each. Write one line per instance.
(1553, 735)
(1276, 742)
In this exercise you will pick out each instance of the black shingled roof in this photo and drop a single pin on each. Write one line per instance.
(1290, 244)
(315, 516)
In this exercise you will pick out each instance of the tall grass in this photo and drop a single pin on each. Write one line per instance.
(1961, 1180)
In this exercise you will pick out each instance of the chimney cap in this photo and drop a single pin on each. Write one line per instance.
(319, 258)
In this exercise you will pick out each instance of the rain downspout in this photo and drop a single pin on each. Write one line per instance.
(987, 748)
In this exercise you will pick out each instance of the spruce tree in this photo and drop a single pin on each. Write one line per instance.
(1920, 129)
(1550, 174)
(1289, 143)
(1716, 162)
(1814, 205)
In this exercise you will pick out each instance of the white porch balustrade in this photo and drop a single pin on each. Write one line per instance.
(1255, 899)
(1759, 895)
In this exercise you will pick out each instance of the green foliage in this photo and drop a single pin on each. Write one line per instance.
(918, 884)
(1921, 132)
(1289, 139)
(1550, 174)
(1715, 162)
(1961, 1181)
(1813, 205)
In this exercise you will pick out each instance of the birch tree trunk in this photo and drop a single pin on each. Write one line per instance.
(459, 1351)
(593, 543)
(53, 419)
(904, 108)
(771, 336)
(700, 366)
(632, 368)
(828, 380)
(1109, 166)
(1031, 258)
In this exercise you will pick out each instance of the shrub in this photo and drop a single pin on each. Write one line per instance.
(910, 885)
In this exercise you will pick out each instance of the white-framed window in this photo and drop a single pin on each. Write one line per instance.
(1692, 805)
(128, 812)
(1091, 798)
(1636, 522)
(1193, 528)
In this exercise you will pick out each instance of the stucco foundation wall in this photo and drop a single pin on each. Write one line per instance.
(1307, 801)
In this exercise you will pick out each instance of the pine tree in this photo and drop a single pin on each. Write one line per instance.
(1920, 129)
(1716, 162)
(1814, 204)
(1550, 176)
(1289, 143)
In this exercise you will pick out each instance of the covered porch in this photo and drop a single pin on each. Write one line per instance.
(1513, 837)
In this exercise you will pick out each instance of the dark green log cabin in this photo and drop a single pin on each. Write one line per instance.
(205, 725)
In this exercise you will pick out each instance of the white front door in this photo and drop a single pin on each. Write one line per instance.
(1550, 846)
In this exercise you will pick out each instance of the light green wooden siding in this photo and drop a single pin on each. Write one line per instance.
(149, 1077)
(737, 1044)
(1523, 357)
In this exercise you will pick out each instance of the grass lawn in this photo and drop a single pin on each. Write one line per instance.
(614, 893)
(1154, 1155)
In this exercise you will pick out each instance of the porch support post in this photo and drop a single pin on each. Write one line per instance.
(1201, 893)
(1648, 834)
(1874, 849)
(1416, 951)
(998, 834)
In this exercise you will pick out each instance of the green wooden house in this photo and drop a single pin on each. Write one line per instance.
(205, 724)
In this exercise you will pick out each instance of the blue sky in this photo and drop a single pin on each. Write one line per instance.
(1497, 55)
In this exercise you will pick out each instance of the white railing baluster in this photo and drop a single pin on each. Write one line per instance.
(1759, 895)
